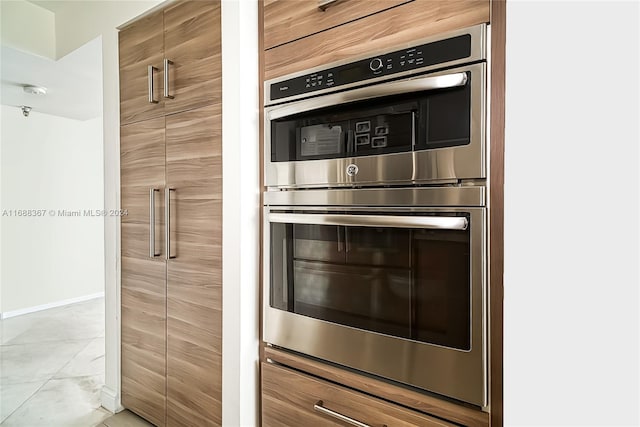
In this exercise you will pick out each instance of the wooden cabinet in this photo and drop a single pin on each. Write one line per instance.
(292, 399)
(194, 273)
(168, 61)
(194, 51)
(384, 29)
(142, 163)
(288, 20)
(141, 47)
(171, 239)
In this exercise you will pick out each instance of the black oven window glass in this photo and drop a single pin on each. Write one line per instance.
(392, 124)
(409, 283)
(445, 120)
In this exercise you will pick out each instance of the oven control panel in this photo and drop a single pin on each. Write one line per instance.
(421, 56)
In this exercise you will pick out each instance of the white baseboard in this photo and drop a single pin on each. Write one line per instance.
(27, 310)
(110, 400)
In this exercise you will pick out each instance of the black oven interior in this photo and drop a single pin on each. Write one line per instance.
(393, 124)
(412, 283)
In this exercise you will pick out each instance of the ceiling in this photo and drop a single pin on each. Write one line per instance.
(74, 82)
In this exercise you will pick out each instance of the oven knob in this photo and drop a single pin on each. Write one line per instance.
(375, 64)
(352, 170)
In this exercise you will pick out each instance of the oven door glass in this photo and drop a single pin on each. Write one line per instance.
(405, 281)
(392, 124)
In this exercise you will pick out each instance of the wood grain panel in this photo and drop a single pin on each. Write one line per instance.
(288, 20)
(388, 29)
(421, 402)
(194, 296)
(142, 154)
(301, 392)
(277, 413)
(140, 45)
(496, 210)
(142, 167)
(194, 155)
(143, 337)
(192, 40)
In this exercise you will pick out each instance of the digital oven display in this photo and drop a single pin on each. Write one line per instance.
(349, 74)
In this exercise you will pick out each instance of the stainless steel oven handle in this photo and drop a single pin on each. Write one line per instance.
(384, 89)
(433, 222)
(319, 408)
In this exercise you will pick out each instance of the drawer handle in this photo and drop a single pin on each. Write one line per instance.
(319, 408)
(323, 5)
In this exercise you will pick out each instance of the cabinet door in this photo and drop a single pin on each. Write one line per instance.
(288, 20)
(292, 399)
(193, 45)
(141, 47)
(389, 29)
(142, 165)
(194, 273)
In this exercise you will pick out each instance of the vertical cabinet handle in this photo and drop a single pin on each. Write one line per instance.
(166, 78)
(323, 5)
(152, 223)
(167, 215)
(333, 414)
(150, 71)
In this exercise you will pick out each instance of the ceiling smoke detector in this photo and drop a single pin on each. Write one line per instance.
(34, 90)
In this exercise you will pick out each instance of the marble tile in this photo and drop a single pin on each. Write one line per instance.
(67, 402)
(88, 362)
(12, 396)
(72, 322)
(23, 363)
(126, 419)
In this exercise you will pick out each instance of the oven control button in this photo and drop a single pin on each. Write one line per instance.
(375, 64)
(352, 170)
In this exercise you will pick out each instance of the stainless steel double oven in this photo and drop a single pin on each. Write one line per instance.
(375, 240)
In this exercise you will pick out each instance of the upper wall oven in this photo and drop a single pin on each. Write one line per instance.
(404, 117)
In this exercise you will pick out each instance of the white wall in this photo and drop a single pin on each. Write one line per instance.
(241, 213)
(27, 27)
(571, 214)
(50, 163)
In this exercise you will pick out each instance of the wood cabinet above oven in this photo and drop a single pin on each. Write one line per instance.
(288, 20)
(298, 35)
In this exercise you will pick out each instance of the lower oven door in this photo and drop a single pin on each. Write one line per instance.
(399, 294)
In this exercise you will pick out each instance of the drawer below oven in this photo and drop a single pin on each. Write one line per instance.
(290, 398)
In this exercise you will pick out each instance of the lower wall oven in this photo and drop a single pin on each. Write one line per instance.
(390, 282)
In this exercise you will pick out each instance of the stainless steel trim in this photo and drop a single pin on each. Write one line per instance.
(409, 168)
(150, 71)
(417, 84)
(167, 62)
(457, 374)
(152, 222)
(319, 408)
(478, 53)
(323, 5)
(377, 197)
(431, 222)
(167, 215)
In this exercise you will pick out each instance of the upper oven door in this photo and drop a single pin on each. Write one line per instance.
(429, 128)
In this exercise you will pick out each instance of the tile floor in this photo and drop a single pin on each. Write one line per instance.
(125, 419)
(52, 367)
